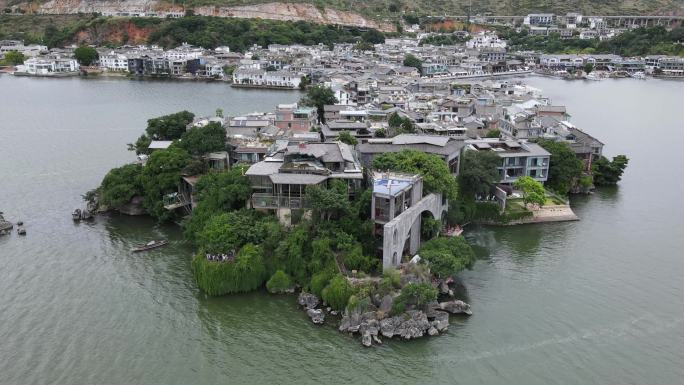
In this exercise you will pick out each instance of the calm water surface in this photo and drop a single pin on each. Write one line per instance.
(599, 301)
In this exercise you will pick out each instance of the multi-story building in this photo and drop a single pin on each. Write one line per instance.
(51, 66)
(280, 181)
(518, 158)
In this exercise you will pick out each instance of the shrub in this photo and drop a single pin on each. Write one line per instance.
(447, 255)
(414, 295)
(280, 282)
(319, 281)
(337, 293)
(358, 303)
(391, 280)
(244, 274)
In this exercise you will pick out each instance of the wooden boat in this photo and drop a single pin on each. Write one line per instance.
(151, 245)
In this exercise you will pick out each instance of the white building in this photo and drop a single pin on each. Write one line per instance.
(48, 66)
(539, 19)
(485, 40)
(114, 62)
(263, 78)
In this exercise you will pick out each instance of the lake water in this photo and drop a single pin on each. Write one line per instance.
(599, 301)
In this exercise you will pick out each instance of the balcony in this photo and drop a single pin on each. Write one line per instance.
(268, 201)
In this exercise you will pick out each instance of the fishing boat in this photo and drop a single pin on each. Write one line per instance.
(151, 245)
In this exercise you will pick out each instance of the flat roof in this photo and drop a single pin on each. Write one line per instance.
(390, 186)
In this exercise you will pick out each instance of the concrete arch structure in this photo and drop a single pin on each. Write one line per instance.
(407, 226)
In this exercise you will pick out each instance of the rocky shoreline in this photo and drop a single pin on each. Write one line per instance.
(375, 322)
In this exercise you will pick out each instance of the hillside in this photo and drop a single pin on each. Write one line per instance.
(352, 12)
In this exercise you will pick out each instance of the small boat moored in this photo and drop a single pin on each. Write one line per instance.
(151, 245)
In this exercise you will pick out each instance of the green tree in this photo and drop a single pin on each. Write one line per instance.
(169, 127)
(447, 255)
(436, 175)
(203, 140)
(533, 191)
(348, 138)
(564, 167)
(246, 273)
(609, 173)
(279, 282)
(412, 61)
(588, 67)
(161, 175)
(14, 58)
(478, 173)
(328, 202)
(120, 185)
(373, 36)
(337, 293)
(395, 120)
(304, 82)
(217, 192)
(230, 231)
(86, 55)
(319, 96)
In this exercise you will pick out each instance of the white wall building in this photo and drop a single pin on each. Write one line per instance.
(48, 66)
(114, 62)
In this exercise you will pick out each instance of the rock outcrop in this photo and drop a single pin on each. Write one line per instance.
(317, 316)
(308, 300)
(456, 307)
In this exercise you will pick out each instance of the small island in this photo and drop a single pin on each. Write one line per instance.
(362, 218)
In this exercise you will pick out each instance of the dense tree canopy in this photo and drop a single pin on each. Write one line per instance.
(240, 34)
(167, 127)
(328, 202)
(564, 166)
(608, 173)
(215, 193)
(478, 173)
(203, 140)
(161, 175)
(86, 55)
(447, 255)
(120, 185)
(435, 173)
(230, 231)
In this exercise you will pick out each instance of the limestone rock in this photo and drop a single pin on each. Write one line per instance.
(317, 316)
(366, 339)
(386, 304)
(433, 331)
(308, 300)
(456, 307)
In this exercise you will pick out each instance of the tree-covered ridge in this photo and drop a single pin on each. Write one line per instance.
(204, 31)
(637, 42)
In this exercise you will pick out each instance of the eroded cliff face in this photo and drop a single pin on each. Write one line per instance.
(295, 12)
(121, 32)
(272, 11)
